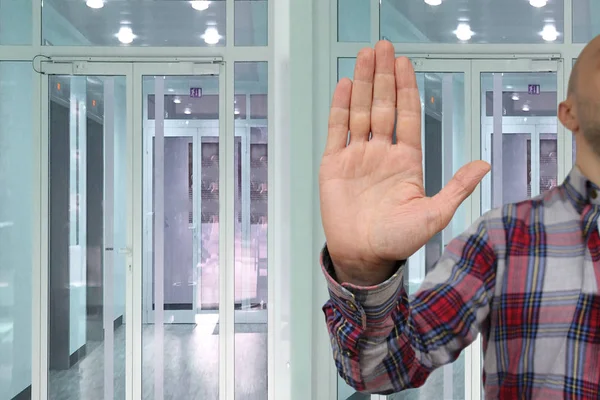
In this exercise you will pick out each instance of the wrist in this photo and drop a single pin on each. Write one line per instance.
(359, 273)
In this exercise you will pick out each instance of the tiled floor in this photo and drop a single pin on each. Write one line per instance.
(191, 366)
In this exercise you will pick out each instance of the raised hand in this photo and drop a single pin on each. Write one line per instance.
(373, 203)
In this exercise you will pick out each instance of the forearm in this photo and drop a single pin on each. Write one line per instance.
(375, 327)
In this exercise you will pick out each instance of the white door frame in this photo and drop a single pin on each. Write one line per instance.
(41, 276)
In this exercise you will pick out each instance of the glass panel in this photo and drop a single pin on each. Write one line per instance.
(16, 229)
(181, 252)
(354, 21)
(522, 106)
(251, 228)
(251, 26)
(585, 25)
(133, 23)
(473, 21)
(88, 224)
(15, 22)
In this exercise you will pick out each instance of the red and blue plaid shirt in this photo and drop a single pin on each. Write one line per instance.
(524, 276)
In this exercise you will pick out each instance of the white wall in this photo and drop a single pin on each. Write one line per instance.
(16, 225)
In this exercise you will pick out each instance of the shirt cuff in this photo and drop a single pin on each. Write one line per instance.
(364, 306)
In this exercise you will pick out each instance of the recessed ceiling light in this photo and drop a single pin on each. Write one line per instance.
(125, 35)
(95, 4)
(433, 2)
(526, 107)
(515, 96)
(187, 111)
(463, 32)
(200, 5)
(549, 33)
(538, 3)
(236, 111)
(177, 100)
(171, 90)
(211, 35)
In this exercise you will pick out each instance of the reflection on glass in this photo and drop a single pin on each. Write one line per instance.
(134, 23)
(522, 107)
(15, 23)
(354, 21)
(88, 224)
(251, 228)
(251, 26)
(181, 237)
(510, 21)
(16, 229)
(585, 23)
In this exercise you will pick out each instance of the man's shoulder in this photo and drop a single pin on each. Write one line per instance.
(542, 209)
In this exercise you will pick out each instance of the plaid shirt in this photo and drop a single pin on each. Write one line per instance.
(525, 276)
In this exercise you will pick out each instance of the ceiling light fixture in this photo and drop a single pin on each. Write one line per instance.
(236, 111)
(125, 35)
(200, 5)
(187, 111)
(433, 2)
(515, 96)
(526, 107)
(463, 32)
(211, 35)
(95, 4)
(177, 100)
(538, 3)
(549, 33)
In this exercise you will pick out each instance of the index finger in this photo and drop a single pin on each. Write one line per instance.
(408, 105)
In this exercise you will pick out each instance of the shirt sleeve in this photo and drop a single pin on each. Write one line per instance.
(383, 342)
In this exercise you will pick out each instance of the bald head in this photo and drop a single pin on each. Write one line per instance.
(588, 61)
(580, 112)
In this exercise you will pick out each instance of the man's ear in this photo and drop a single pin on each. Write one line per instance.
(568, 115)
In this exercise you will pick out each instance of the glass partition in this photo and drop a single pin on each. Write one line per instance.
(165, 23)
(354, 21)
(251, 26)
(521, 107)
(472, 21)
(17, 191)
(15, 22)
(251, 230)
(585, 21)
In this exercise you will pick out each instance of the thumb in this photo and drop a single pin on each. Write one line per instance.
(458, 189)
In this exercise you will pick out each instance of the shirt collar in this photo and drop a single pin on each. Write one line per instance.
(581, 191)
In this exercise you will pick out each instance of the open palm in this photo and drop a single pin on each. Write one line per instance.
(373, 202)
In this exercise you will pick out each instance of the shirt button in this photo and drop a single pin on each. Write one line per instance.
(593, 194)
(351, 305)
(347, 353)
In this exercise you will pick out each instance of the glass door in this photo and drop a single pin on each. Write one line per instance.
(444, 88)
(186, 265)
(517, 103)
(85, 317)
(515, 114)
